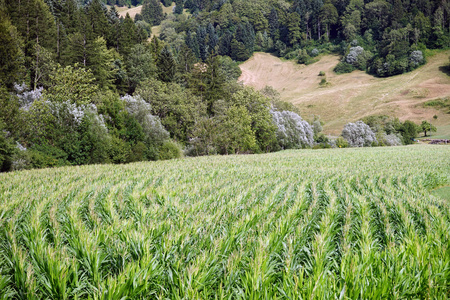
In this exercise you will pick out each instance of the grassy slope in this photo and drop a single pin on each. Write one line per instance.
(251, 227)
(137, 10)
(349, 97)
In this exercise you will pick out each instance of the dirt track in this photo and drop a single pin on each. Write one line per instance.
(349, 97)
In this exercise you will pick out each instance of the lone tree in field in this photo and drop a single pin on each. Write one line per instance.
(358, 134)
(427, 127)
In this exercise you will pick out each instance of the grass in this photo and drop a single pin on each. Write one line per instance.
(307, 224)
(443, 192)
(350, 97)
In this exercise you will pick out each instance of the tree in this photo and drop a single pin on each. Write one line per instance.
(6, 150)
(11, 56)
(235, 133)
(152, 12)
(261, 119)
(179, 7)
(427, 127)
(128, 35)
(328, 16)
(292, 131)
(409, 132)
(178, 108)
(100, 61)
(140, 66)
(274, 25)
(166, 65)
(73, 84)
(97, 13)
(358, 134)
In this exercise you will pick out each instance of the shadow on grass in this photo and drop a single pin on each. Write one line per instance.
(445, 69)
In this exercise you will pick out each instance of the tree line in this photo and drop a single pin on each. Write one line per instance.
(81, 85)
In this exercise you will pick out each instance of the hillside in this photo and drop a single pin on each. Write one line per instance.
(231, 227)
(349, 97)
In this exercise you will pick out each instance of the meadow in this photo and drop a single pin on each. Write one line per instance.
(349, 97)
(306, 224)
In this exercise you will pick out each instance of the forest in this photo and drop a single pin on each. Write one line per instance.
(81, 85)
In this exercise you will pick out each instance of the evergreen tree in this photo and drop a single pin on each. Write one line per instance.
(155, 48)
(179, 7)
(238, 51)
(128, 35)
(140, 66)
(225, 43)
(97, 14)
(213, 39)
(202, 40)
(152, 12)
(294, 28)
(274, 25)
(166, 64)
(11, 56)
(192, 43)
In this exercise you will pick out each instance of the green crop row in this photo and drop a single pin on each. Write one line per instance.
(324, 224)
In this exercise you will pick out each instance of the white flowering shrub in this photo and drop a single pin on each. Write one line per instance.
(26, 97)
(352, 56)
(151, 125)
(416, 58)
(293, 131)
(392, 140)
(358, 134)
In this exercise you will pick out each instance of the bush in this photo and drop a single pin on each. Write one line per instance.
(170, 150)
(343, 67)
(409, 131)
(392, 140)
(45, 156)
(314, 52)
(358, 134)
(120, 150)
(341, 142)
(321, 73)
(293, 132)
(323, 82)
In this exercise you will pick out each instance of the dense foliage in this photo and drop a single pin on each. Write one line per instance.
(354, 224)
(79, 84)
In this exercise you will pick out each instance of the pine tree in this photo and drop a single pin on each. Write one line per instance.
(152, 12)
(213, 39)
(11, 56)
(128, 35)
(97, 16)
(155, 48)
(166, 64)
(274, 26)
(179, 7)
(191, 42)
(202, 39)
(294, 28)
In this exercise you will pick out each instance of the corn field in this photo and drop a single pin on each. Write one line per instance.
(308, 224)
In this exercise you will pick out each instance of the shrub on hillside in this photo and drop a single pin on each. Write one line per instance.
(343, 67)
